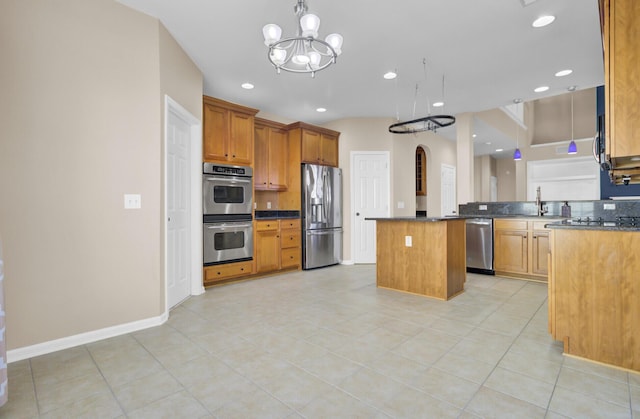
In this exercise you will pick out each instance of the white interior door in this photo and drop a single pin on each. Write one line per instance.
(448, 190)
(370, 198)
(178, 137)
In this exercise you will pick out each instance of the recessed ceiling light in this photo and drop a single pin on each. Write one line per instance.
(247, 86)
(563, 73)
(499, 150)
(517, 101)
(474, 135)
(543, 21)
(390, 75)
(488, 143)
(541, 89)
(321, 110)
(438, 104)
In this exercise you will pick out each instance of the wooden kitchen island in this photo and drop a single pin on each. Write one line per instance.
(594, 293)
(424, 256)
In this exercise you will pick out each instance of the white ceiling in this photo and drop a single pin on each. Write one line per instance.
(487, 50)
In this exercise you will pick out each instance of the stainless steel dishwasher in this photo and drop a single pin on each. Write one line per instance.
(480, 245)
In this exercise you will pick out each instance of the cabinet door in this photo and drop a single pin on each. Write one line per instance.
(241, 139)
(267, 246)
(278, 159)
(261, 164)
(540, 252)
(329, 151)
(622, 59)
(510, 251)
(310, 147)
(215, 133)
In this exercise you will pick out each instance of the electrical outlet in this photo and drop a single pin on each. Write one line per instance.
(610, 206)
(400, 204)
(408, 241)
(132, 201)
(268, 205)
(482, 207)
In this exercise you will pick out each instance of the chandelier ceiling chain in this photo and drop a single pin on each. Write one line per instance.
(427, 123)
(305, 52)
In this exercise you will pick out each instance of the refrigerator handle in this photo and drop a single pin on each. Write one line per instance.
(326, 196)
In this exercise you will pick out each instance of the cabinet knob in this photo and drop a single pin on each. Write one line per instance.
(234, 156)
(218, 273)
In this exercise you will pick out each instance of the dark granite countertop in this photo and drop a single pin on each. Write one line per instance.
(276, 214)
(420, 219)
(594, 225)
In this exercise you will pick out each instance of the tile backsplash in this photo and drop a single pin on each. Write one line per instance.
(606, 209)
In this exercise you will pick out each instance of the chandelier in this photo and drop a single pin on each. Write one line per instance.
(305, 52)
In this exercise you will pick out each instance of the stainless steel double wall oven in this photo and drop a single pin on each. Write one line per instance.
(227, 200)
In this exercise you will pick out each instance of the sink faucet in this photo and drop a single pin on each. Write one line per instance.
(542, 209)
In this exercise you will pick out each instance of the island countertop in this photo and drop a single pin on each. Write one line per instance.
(419, 219)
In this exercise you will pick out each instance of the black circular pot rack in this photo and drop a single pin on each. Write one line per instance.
(427, 123)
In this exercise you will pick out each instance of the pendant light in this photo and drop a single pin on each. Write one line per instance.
(517, 155)
(573, 148)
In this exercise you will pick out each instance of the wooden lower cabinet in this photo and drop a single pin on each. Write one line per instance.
(290, 244)
(267, 246)
(521, 248)
(277, 245)
(217, 273)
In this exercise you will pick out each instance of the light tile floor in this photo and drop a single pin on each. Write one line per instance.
(328, 343)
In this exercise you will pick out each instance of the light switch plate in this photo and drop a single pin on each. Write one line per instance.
(610, 206)
(408, 241)
(268, 205)
(400, 204)
(132, 201)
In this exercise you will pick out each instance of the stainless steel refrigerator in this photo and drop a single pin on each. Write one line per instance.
(321, 216)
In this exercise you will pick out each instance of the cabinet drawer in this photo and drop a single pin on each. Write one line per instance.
(271, 225)
(539, 225)
(501, 224)
(230, 270)
(290, 257)
(293, 223)
(289, 238)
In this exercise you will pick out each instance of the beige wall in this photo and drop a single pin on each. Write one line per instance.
(506, 174)
(512, 176)
(371, 134)
(81, 114)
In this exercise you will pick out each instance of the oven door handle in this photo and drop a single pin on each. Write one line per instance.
(223, 226)
(229, 179)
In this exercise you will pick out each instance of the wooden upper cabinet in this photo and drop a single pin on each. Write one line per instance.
(216, 127)
(621, 42)
(227, 132)
(271, 156)
(317, 145)
(329, 147)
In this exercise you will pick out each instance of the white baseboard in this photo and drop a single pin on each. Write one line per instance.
(346, 262)
(43, 348)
